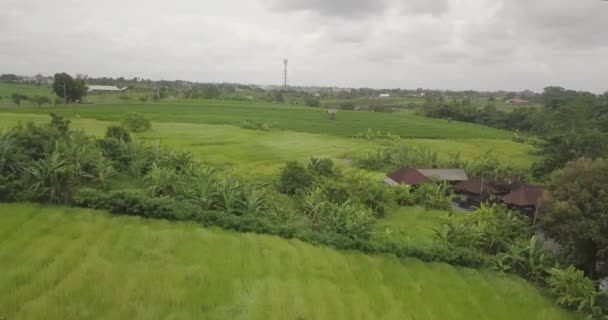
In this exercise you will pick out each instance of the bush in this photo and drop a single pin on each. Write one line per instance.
(119, 133)
(40, 100)
(313, 102)
(350, 219)
(253, 125)
(162, 181)
(322, 167)
(136, 122)
(490, 229)
(434, 196)
(294, 177)
(528, 259)
(573, 290)
(18, 98)
(347, 106)
(143, 98)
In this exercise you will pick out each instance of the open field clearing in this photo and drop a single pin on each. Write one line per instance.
(413, 224)
(263, 153)
(299, 119)
(60, 263)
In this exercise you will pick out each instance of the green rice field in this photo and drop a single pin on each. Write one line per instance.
(262, 153)
(291, 118)
(59, 263)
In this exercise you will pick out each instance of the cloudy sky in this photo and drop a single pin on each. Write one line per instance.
(440, 44)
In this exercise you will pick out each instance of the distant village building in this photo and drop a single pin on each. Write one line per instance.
(517, 101)
(97, 88)
(384, 95)
(416, 177)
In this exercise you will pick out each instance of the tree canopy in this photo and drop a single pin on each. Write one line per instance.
(575, 213)
(68, 88)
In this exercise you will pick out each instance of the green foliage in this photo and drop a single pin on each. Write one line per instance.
(560, 148)
(68, 88)
(229, 196)
(404, 195)
(399, 154)
(253, 125)
(347, 106)
(203, 186)
(162, 181)
(529, 259)
(40, 100)
(254, 200)
(313, 102)
(573, 290)
(294, 177)
(350, 219)
(18, 98)
(322, 167)
(104, 172)
(489, 229)
(136, 122)
(49, 179)
(574, 212)
(119, 133)
(436, 196)
(280, 212)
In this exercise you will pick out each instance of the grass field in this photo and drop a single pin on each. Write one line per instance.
(299, 119)
(60, 263)
(262, 153)
(411, 224)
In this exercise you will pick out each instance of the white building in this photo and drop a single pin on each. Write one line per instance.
(96, 88)
(385, 95)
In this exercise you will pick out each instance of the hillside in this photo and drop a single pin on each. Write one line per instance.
(123, 267)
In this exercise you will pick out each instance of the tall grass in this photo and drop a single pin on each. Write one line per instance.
(62, 263)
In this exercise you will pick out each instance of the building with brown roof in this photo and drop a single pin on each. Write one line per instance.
(526, 198)
(475, 185)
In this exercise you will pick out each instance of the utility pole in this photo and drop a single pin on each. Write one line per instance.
(285, 74)
(65, 94)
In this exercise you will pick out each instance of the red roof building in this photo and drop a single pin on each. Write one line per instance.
(475, 185)
(524, 196)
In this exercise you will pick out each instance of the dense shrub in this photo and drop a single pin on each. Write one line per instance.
(323, 167)
(490, 229)
(162, 181)
(119, 133)
(294, 177)
(350, 219)
(136, 122)
(528, 259)
(347, 106)
(434, 196)
(572, 289)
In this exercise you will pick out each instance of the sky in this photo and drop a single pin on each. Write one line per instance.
(438, 44)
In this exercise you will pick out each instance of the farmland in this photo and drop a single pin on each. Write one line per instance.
(262, 153)
(181, 270)
(292, 118)
(63, 263)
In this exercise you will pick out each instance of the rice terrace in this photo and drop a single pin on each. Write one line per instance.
(408, 161)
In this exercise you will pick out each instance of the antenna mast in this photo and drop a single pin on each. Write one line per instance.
(285, 74)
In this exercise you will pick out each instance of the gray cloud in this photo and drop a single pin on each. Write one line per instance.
(335, 8)
(452, 44)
